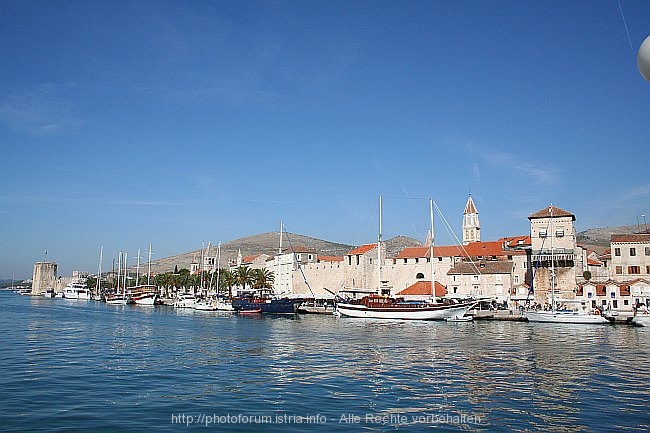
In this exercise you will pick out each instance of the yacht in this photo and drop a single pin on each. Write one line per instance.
(76, 289)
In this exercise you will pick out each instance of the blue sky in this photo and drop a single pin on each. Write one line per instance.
(177, 123)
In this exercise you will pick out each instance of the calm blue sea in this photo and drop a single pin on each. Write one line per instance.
(88, 366)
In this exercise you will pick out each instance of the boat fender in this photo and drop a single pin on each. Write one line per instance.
(597, 312)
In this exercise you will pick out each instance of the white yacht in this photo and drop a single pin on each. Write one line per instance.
(76, 289)
(185, 300)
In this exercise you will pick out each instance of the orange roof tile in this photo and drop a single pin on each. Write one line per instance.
(362, 249)
(631, 238)
(330, 258)
(556, 211)
(423, 288)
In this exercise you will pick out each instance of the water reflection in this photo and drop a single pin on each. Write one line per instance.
(139, 363)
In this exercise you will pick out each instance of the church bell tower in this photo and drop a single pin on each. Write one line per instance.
(471, 225)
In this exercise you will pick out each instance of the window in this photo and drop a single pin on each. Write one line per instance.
(647, 269)
(617, 252)
(559, 233)
(647, 251)
(455, 289)
(516, 279)
(626, 302)
(417, 260)
(633, 270)
(619, 270)
(589, 295)
(419, 276)
(613, 295)
(632, 252)
(542, 233)
(475, 277)
(615, 303)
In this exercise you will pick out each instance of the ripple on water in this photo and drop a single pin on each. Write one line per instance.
(90, 366)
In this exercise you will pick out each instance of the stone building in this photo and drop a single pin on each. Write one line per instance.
(44, 277)
(553, 254)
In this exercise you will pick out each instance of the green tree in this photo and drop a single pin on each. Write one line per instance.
(262, 278)
(227, 279)
(244, 276)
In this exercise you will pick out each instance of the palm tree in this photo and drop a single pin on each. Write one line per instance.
(243, 276)
(263, 278)
(227, 279)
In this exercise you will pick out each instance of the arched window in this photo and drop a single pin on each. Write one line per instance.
(419, 276)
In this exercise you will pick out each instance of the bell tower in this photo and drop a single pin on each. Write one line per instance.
(471, 225)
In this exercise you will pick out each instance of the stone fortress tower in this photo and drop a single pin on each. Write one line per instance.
(44, 277)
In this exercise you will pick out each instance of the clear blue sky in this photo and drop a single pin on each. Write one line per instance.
(177, 123)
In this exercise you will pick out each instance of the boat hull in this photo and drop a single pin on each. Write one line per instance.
(273, 306)
(145, 300)
(428, 312)
(566, 317)
(641, 320)
(117, 301)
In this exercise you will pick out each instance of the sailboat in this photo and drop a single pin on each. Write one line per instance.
(143, 294)
(379, 306)
(118, 298)
(554, 315)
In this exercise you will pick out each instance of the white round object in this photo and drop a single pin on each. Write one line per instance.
(643, 59)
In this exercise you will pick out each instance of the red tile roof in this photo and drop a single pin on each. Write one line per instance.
(473, 249)
(556, 211)
(631, 238)
(362, 249)
(330, 258)
(423, 288)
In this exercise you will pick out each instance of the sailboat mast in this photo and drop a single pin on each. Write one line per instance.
(125, 271)
(149, 267)
(99, 271)
(433, 272)
(218, 266)
(119, 272)
(137, 270)
(550, 209)
(379, 248)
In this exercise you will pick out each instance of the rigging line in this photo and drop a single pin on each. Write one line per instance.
(625, 24)
(295, 257)
(448, 227)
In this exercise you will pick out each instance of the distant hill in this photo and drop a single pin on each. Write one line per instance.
(267, 243)
(599, 239)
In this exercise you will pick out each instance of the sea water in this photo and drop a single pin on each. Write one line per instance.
(88, 366)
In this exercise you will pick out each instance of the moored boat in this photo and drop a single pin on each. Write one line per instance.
(205, 305)
(76, 289)
(566, 316)
(383, 307)
(185, 300)
(146, 294)
(380, 305)
(641, 316)
(266, 303)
